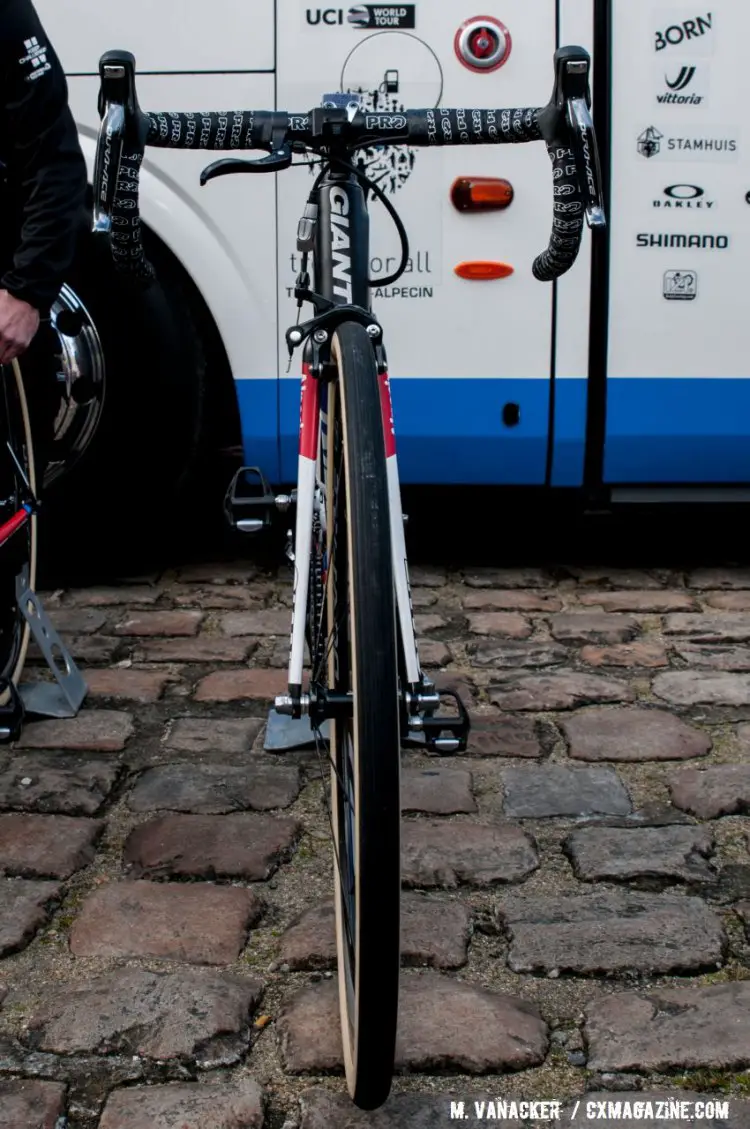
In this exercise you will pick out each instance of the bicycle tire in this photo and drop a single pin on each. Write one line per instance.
(15, 422)
(366, 747)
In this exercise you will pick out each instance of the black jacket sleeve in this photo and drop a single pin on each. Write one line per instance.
(45, 168)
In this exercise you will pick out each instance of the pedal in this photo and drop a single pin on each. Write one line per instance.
(438, 733)
(11, 714)
(250, 510)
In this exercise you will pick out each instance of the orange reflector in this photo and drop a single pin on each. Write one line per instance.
(483, 271)
(481, 193)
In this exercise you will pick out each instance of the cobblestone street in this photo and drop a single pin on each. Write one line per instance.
(576, 888)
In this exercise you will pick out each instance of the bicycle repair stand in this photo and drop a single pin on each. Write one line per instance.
(59, 699)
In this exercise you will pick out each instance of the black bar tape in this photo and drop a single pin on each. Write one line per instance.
(470, 127)
(127, 246)
(235, 129)
(568, 214)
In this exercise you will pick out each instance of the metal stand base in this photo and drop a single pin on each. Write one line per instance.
(286, 733)
(64, 696)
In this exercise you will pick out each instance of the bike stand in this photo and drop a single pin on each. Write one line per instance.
(284, 734)
(63, 697)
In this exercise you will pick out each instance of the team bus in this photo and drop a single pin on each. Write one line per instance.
(629, 378)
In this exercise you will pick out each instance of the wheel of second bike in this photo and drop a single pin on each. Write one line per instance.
(365, 751)
(18, 554)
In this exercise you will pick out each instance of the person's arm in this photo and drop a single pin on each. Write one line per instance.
(46, 171)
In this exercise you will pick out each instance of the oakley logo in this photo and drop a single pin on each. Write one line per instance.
(684, 78)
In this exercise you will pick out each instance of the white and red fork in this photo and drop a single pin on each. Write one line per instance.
(310, 453)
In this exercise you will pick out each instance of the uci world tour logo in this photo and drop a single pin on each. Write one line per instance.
(364, 16)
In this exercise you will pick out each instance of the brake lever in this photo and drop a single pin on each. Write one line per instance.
(107, 165)
(122, 122)
(276, 161)
(586, 151)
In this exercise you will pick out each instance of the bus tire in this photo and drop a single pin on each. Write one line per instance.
(118, 505)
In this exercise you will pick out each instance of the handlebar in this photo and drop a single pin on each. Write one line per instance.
(565, 125)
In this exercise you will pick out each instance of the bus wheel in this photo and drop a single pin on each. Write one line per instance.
(115, 506)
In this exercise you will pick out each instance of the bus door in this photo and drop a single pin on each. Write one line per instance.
(678, 354)
(470, 360)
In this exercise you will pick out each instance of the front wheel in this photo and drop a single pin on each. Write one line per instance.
(361, 660)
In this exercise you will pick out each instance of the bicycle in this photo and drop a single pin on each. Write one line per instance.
(352, 613)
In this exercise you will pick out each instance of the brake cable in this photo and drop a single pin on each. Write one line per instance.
(380, 195)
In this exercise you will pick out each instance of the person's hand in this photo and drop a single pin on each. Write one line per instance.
(18, 324)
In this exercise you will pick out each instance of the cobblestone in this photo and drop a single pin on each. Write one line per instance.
(213, 788)
(593, 627)
(186, 1106)
(636, 601)
(24, 907)
(632, 734)
(483, 854)
(719, 790)
(245, 846)
(169, 857)
(710, 628)
(611, 933)
(94, 731)
(157, 1015)
(135, 685)
(703, 688)
(715, 657)
(218, 735)
(606, 854)
(490, 599)
(559, 691)
(437, 791)
(671, 1029)
(195, 649)
(492, 735)
(556, 790)
(28, 1104)
(510, 655)
(508, 624)
(443, 1024)
(637, 654)
(161, 623)
(200, 924)
(57, 783)
(241, 685)
(46, 846)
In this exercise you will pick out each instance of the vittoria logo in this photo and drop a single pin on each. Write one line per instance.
(686, 87)
(684, 78)
(695, 242)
